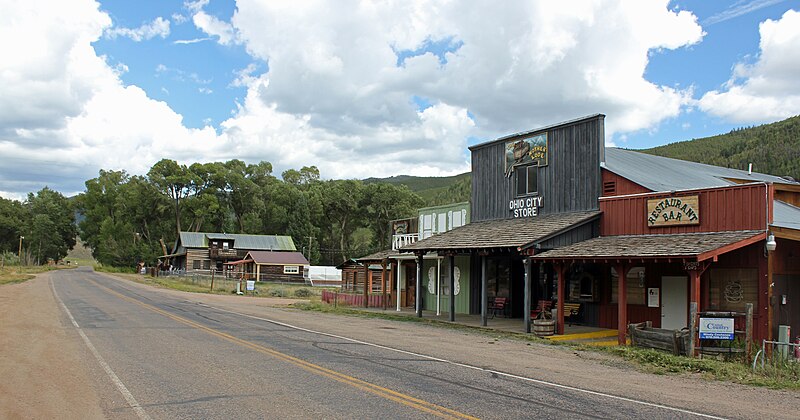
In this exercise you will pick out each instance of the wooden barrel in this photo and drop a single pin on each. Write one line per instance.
(544, 327)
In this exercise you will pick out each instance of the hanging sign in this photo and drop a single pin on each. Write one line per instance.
(251, 285)
(531, 150)
(673, 211)
(716, 328)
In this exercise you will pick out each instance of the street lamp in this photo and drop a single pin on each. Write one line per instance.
(19, 254)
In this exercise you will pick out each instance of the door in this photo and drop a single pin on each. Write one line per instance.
(411, 286)
(674, 306)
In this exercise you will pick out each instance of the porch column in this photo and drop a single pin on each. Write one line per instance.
(397, 278)
(258, 272)
(418, 297)
(622, 303)
(527, 308)
(484, 297)
(438, 286)
(366, 285)
(383, 284)
(452, 288)
(694, 307)
(562, 270)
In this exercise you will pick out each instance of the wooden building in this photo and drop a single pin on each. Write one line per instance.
(557, 217)
(202, 252)
(275, 266)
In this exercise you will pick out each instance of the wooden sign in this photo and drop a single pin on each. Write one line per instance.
(672, 211)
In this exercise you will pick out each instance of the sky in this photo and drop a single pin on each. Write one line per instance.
(371, 89)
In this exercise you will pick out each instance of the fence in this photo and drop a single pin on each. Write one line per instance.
(335, 297)
(780, 352)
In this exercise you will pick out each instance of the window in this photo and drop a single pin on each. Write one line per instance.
(291, 269)
(526, 179)
(196, 264)
(206, 264)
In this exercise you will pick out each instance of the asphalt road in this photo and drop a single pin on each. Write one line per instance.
(157, 355)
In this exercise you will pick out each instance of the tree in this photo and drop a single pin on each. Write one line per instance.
(11, 218)
(173, 180)
(387, 202)
(50, 230)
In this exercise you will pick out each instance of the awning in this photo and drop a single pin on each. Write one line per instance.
(666, 247)
(503, 234)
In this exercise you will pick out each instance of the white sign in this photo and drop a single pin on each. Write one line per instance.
(525, 207)
(652, 297)
(716, 328)
(251, 285)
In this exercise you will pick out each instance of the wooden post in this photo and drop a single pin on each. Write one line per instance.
(526, 263)
(212, 278)
(452, 261)
(418, 291)
(366, 285)
(383, 284)
(692, 327)
(484, 297)
(748, 331)
(694, 307)
(622, 303)
(397, 283)
(562, 271)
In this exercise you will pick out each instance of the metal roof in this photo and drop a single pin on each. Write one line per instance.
(786, 215)
(240, 241)
(660, 173)
(280, 258)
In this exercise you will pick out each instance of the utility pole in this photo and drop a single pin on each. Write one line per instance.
(309, 248)
(19, 254)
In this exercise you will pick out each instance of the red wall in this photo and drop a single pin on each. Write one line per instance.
(739, 207)
(622, 186)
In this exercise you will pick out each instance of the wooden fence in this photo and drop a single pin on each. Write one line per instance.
(644, 335)
(335, 297)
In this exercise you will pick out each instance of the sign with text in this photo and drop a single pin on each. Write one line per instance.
(531, 150)
(672, 211)
(716, 328)
(652, 297)
(251, 285)
(525, 207)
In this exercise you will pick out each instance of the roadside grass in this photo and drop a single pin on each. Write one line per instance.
(775, 375)
(18, 274)
(222, 286)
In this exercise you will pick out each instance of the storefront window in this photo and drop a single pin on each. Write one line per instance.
(635, 285)
(731, 288)
(582, 283)
(498, 277)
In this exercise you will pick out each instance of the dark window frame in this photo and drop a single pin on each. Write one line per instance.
(524, 173)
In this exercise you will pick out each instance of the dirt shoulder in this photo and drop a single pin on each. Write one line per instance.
(42, 371)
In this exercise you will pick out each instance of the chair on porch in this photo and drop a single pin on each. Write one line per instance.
(498, 305)
(544, 305)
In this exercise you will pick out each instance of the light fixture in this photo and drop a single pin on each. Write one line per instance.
(771, 244)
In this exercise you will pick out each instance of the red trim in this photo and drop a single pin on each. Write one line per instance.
(731, 247)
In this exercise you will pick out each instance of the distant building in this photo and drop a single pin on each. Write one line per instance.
(202, 252)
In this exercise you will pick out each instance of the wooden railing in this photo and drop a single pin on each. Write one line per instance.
(217, 253)
(399, 241)
(373, 301)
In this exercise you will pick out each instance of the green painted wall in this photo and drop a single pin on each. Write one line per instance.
(462, 298)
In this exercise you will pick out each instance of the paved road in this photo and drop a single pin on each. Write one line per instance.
(162, 356)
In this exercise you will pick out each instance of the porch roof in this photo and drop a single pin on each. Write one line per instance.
(378, 256)
(277, 258)
(516, 234)
(684, 246)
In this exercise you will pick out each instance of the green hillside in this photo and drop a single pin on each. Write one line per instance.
(434, 190)
(771, 148)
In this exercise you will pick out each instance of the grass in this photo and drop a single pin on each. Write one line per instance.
(202, 284)
(775, 375)
(19, 274)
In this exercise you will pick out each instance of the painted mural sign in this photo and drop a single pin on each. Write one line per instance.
(716, 328)
(672, 211)
(525, 207)
(528, 151)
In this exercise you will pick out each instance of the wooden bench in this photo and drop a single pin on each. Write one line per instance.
(542, 306)
(571, 311)
(498, 305)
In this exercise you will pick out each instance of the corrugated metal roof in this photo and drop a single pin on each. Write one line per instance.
(660, 173)
(240, 241)
(786, 215)
(284, 258)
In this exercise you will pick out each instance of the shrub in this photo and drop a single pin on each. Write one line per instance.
(277, 292)
(303, 292)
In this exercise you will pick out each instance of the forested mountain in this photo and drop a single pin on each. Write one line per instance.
(434, 190)
(771, 148)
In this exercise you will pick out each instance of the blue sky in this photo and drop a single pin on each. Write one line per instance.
(371, 89)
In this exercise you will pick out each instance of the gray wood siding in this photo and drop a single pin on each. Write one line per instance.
(570, 182)
(581, 233)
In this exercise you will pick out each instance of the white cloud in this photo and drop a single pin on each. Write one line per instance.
(215, 28)
(739, 8)
(158, 27)
(768, 89)
(190, 41)
(333, 94)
